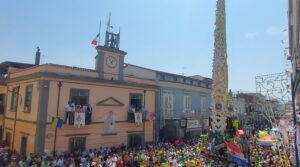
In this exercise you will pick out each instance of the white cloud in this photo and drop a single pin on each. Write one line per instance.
(251, 35)
(275, 30)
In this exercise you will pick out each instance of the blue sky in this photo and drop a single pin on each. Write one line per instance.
(169, 35)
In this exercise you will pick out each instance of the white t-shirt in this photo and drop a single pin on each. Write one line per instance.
(20, 163)
(70, 107)
(91, 154)
(114, 161)
(60, 162)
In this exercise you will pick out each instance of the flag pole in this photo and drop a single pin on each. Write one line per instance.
(57, 111)
(99, 33)
(108, 23)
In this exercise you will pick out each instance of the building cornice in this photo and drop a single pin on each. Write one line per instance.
(79, 78)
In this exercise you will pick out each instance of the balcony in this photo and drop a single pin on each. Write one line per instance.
(131, 118)
(71, 118)
(132, 110)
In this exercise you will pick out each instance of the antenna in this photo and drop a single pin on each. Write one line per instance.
(43, 59)
(99, 33)
(108, 23)
(118, 43)
(183, 68)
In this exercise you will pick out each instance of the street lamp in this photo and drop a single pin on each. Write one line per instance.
(16, 112)
(57, 110)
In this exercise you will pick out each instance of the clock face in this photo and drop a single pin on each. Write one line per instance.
(111, 62)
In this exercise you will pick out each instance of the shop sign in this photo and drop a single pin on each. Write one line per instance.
(183, 123)
(192, 124)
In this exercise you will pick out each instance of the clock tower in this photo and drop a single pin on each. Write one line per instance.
(110, 59)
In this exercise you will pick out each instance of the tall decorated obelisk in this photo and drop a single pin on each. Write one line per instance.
(220, 73)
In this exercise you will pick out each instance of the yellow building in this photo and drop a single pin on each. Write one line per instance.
(37, 94)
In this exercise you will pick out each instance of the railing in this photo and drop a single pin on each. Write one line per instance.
(71, 118)
(131, 118)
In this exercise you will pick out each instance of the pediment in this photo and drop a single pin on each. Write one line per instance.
(110, 101)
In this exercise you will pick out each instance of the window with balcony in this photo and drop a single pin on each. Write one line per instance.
(28, 98)
(79, 96)
(79, 99)
(168, 104)
(186, 103)
(135, 105)
(14, 99)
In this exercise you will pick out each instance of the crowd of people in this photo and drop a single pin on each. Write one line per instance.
(194, 152)
(189, 153)
(268, 156)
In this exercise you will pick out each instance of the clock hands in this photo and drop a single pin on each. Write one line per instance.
(111, 61)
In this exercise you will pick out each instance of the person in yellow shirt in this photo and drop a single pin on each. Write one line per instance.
(165, 164)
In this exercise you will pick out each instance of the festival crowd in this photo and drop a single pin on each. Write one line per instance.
(187, 153)
(190, 153)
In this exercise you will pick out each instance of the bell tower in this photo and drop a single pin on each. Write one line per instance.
(109, 61)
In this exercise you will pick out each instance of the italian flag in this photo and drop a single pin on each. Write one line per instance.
(94, 41)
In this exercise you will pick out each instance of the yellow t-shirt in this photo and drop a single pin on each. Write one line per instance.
(165, 165)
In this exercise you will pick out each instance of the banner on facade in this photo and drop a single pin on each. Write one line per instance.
(192, 124)
(138, 117)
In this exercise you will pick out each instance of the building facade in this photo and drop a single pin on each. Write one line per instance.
(183, 102)
(39, 96)
(293, 55)
(239, 107)
(5, 68)
(56, 108)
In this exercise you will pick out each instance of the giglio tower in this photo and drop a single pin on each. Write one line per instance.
(220, 72)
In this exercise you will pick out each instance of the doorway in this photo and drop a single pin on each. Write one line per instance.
(23, 145)
(135, 140)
